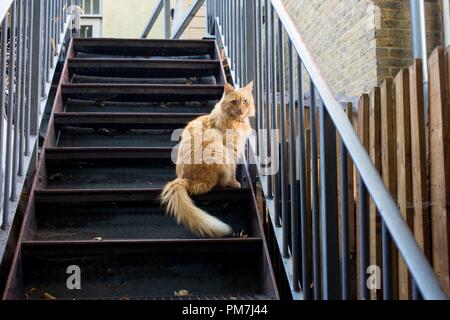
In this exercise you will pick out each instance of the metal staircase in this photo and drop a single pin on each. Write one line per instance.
(107, 154)
(93, 204)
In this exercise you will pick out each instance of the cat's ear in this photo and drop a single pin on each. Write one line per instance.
(249, 87)
(228, 88)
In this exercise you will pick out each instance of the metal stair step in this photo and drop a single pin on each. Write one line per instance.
(117, 168)
(140, 92)
(127, 270)
(145, 48)
(83, 55)
(124, 130)
(123, 120)
(75, 215)
(147, 80)
(140, 68)
(92, 106)
(110, 137)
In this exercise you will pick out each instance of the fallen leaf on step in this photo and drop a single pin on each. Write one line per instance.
(48, 296)
(182, 293)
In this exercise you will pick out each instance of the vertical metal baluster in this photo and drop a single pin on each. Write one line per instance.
(329, 207)
(19, 97)
(244, 41)
(249, 44)
(29, 78)
(386, 250)
(232, 38)
(167, 19)
(284, 195)
(63, 17)
(268, 92)
(305, 243)
(23, 100)
(219, 13)
(345, 256)
(315, 197)
(256, 29)
(363, 240)
(275, 136)
(18, 79)
(238, 42)
(224, 20)
(4, 43)
(50, 48)
(43, 58)
(36, 71)
(9, 176)
(235, 43)
(57, 22)
(229, 34)
(260, 82)
(55, 34)
(227, 25)
(293, 174)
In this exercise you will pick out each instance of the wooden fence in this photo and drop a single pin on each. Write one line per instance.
(411, 149)
(413, 158)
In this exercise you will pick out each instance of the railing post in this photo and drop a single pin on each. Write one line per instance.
(36, 70)
(249, 39)
(167, 18)
(329, 207)
(9, 173)
(3, 61)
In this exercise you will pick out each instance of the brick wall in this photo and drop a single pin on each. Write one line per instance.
(358, 43)
(394, 38)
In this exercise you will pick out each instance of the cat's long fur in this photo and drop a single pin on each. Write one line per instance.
(223, 133)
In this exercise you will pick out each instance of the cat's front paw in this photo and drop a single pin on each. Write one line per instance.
(234, 185)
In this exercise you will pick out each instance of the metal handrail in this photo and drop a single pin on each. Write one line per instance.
(32, 41)
(160, 5)
(153, 17)
(181, 25)
(416, 261)
(232, 19)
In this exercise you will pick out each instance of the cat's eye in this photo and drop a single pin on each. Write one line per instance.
(234, 102)
(245, 101)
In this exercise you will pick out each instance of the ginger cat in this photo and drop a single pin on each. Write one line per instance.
(207, 157)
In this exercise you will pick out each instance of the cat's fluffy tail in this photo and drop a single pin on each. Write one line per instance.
(180, 206)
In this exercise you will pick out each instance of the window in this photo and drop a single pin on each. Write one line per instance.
(91, 7)
(86, 31)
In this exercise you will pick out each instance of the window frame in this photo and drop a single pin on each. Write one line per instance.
(95, 15)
